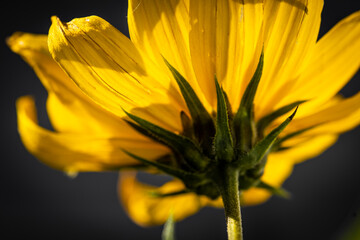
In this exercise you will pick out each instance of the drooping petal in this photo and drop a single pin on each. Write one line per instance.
(108, 68)
(332, 65)
(78, 152)
(33, 48)
(291, 29)
(76, 116)
(69, 110)
(146, 209)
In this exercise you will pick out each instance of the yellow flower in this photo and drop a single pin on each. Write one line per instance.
(95, 75)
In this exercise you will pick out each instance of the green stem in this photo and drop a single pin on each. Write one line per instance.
(228, 184)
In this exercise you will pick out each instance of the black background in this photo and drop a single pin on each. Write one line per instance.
(36, 201)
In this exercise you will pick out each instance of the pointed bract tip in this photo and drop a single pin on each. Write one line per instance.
(294, 113)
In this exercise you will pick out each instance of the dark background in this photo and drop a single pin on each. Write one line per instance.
(37, 201)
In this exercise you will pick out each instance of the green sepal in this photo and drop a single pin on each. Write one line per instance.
(204, 129)
(266, 120)
(143, 131)
(244, 125)
(228, 107)
(188, 130)
(256, 154)
(244, 130)
(178, 173)
(223, 143)
(168, 232)
(279, 191)
(247, 100)
(180, 144)
(127, 167)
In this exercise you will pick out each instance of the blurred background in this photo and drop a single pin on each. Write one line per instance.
(37, 201)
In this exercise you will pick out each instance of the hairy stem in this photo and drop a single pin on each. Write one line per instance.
(228, 184)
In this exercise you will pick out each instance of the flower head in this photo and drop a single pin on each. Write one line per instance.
(197, 84)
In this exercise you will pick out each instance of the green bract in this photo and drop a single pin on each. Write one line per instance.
(209, 145)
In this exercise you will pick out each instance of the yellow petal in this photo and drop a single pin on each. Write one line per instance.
(291, 29)
(77, 116)
(108, 68)
(68, 108)
(332, 65)
(77, 152)
(146, 209)
(33, 49)
(226, 41)
(161, 29)
(308, 148)
(203, 44)
(339, 117)
(254, 196)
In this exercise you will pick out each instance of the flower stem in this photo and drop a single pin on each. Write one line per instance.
(228, 185)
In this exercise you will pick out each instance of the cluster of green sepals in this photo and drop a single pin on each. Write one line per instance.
(210, 143)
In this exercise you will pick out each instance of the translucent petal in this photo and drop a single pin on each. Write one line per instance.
(108, 68)
(291, 30)
(340, 116)
(332, 65)
(161, 29)
(68, 108)
(225, 39)
(308, 148)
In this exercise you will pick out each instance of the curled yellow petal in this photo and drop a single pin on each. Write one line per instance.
(146, 209)
(33, 48)
(106, 65)
(69, 109)
(77, 152)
